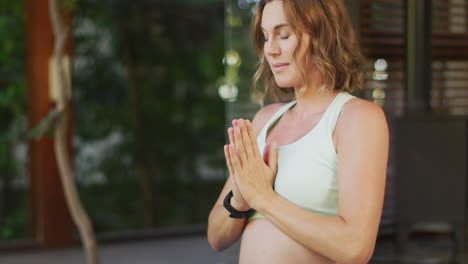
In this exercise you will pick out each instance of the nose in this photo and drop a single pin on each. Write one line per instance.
(272, 48)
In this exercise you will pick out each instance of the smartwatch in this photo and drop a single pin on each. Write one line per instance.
(233, 212)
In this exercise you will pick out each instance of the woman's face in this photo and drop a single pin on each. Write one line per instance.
(280, 44)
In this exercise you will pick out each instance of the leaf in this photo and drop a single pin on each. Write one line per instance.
(45, 126)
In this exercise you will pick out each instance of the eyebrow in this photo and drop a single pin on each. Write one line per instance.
(276, 27)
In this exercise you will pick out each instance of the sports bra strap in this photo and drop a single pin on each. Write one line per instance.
(336, 108)
(277, 115)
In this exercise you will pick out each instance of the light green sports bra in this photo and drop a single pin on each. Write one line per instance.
(307, 167)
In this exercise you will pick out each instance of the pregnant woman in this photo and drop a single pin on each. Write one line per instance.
(307, 177)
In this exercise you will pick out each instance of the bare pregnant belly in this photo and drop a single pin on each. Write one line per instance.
(262, 242)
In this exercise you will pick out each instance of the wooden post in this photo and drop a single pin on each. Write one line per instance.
(50, 221)
(353, 8)
(418, 56)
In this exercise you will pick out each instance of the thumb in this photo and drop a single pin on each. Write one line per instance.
(272, 156)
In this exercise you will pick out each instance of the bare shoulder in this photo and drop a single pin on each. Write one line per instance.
(362, 116)
(263, 115)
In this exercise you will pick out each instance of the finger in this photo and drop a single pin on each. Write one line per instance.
(231, 136)
(228, 159)
(234, 159)
(246, 139)
(239, 145)
(234, 122)
(253, 139)
(273, 157)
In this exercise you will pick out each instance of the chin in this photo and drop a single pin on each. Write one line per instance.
(284, 83)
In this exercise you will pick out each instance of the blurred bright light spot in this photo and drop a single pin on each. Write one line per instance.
(228, 92)
(380, 76)
(234, 21)
(380, 73)
(380, 65)
(378, 94)
(379, 97)
(232, 58)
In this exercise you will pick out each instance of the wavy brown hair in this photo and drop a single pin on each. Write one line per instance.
(333, 46)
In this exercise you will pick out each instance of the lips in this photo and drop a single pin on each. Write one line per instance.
(277, 67)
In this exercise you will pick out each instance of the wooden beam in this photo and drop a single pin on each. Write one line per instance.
(50, 221)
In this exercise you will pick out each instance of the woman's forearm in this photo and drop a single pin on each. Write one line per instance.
(330, 236)
(223, 231)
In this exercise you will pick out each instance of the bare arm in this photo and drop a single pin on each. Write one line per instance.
(223, 231)
(362, 134)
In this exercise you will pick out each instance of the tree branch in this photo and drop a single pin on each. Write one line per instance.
(75, 207)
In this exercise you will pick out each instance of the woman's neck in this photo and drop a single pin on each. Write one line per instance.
(313, 99)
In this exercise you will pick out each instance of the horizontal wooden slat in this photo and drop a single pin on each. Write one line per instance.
(445, 23)
(454, 72)
(447, 34)
(444, 14)
(449, 42)
(450, 65)
(379, 52)
(448, 54)
(383, 41)
(437, 4)
(380, 32)
(382, 12)
(399, 3)
(448, 79)
(393, 22)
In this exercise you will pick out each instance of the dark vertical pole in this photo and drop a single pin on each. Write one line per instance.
(353, 8)
(418, 56)
(50, 221)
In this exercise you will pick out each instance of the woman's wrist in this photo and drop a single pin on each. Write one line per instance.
(262, 200)
(239, 206)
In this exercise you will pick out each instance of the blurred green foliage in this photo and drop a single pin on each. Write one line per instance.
(13, 207)
(12, 61)
(145, 73)
(14, 226)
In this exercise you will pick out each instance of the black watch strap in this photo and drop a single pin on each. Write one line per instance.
(232, 210)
